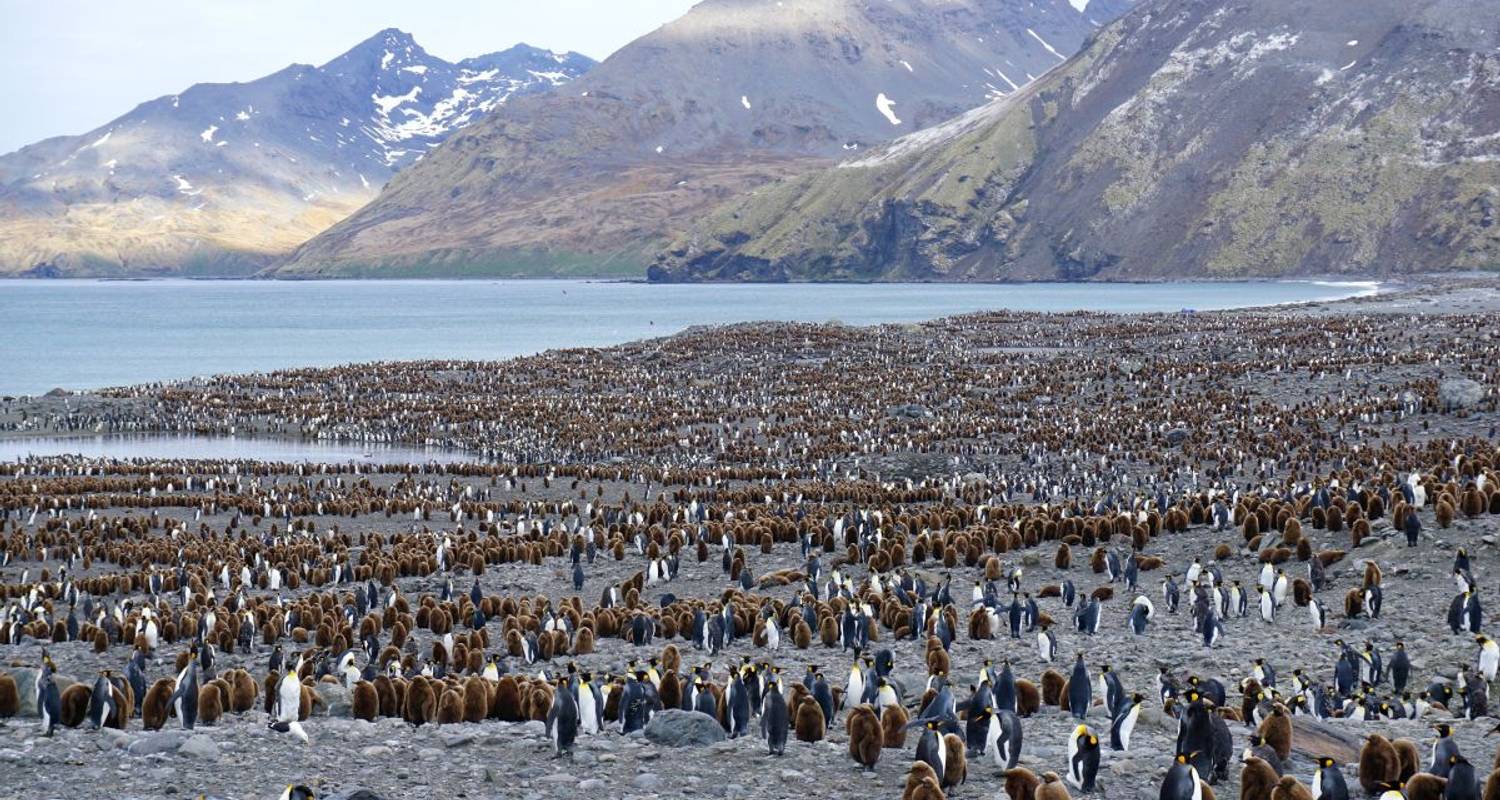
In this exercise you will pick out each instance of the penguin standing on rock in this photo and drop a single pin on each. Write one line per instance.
(185, 698)
(1181, 781)
(1124, 722)
(48, 698)
(774, 719)
(1002, 737)
(562, 720)
(1328, 781)
(101, 702)
(1083, 758)
(1080, 689)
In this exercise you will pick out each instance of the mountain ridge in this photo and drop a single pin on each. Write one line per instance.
(1190, 138)
(223, 178)
(731, 96)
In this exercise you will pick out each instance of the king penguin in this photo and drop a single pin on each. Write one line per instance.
(1182, 781)
(185, 698)
(1080, 689)
(1123, 724)
(774, 719)
(1328, 781)
(562, 720)
(1083, 758)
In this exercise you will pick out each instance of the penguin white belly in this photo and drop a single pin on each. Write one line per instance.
(1317, 784)
(1128, 726)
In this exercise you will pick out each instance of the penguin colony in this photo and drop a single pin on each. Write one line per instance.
(942, 631)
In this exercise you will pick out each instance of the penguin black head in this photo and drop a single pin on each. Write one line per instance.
(1326, 762)
(1444, 730)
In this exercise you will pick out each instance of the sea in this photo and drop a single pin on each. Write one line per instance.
(80, 335)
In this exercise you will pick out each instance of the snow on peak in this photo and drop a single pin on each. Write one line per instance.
(886, 107)
(208, 134)
(1049, 47)
(745, 101)
(1080, 5)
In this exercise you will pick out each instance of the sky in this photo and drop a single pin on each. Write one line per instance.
(68, 66)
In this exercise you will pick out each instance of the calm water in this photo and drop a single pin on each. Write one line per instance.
(221, 447)
(90, 334)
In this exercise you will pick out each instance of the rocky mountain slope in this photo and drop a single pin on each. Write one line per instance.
(1190, 138)
(732, 95)
(223, 177)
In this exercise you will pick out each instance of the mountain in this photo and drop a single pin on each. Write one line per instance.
(731, 95)
(1190, 138)
(225, 177)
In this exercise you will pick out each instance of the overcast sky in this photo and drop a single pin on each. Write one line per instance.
(67, 66)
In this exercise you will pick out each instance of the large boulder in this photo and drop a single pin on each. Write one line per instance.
(159, 742)
(676, 728)
(25, 678)
(1459, 393)
(337, 700)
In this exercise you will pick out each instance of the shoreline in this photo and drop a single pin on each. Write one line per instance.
(1357, 289)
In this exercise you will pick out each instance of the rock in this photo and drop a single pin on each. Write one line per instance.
(676, 728)
(336, 699)
(116, 738)
(1131, 366)
(909, 411)
(1459, 393)
(376, 751)
(1313, 740)
(457, 739)
(649, 780)
(355, 794)
(159, 742)
(25, 678)
(1177, 436)
(199, 746)
(591, 785)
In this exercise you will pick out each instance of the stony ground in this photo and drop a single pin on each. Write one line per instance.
(239, 758)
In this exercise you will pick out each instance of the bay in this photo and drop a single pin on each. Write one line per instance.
(79, 335)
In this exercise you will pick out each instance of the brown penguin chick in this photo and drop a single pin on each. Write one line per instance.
(955, 768)
(893, 721)
(210, 704)
(1492, 786)
(75, 705)
(670, 690)
(1410, 758)
(10, 696)
(1028, 698)
(1206, 791)
(476, 699)
(450, 708)
(1021, 783)
(1276, 731)
(1257, 779)
(1289, 788)
(421, 701)
(1052, 788)
(242, 691)
(922, 783)
(809, 722)
(1379, 764)
(1053, 684)
(865, 736)
(272, 678)
(154, 706)
(506, 706)
(364, 701)
(1425, 786)
(385, 691)
(583, 644)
